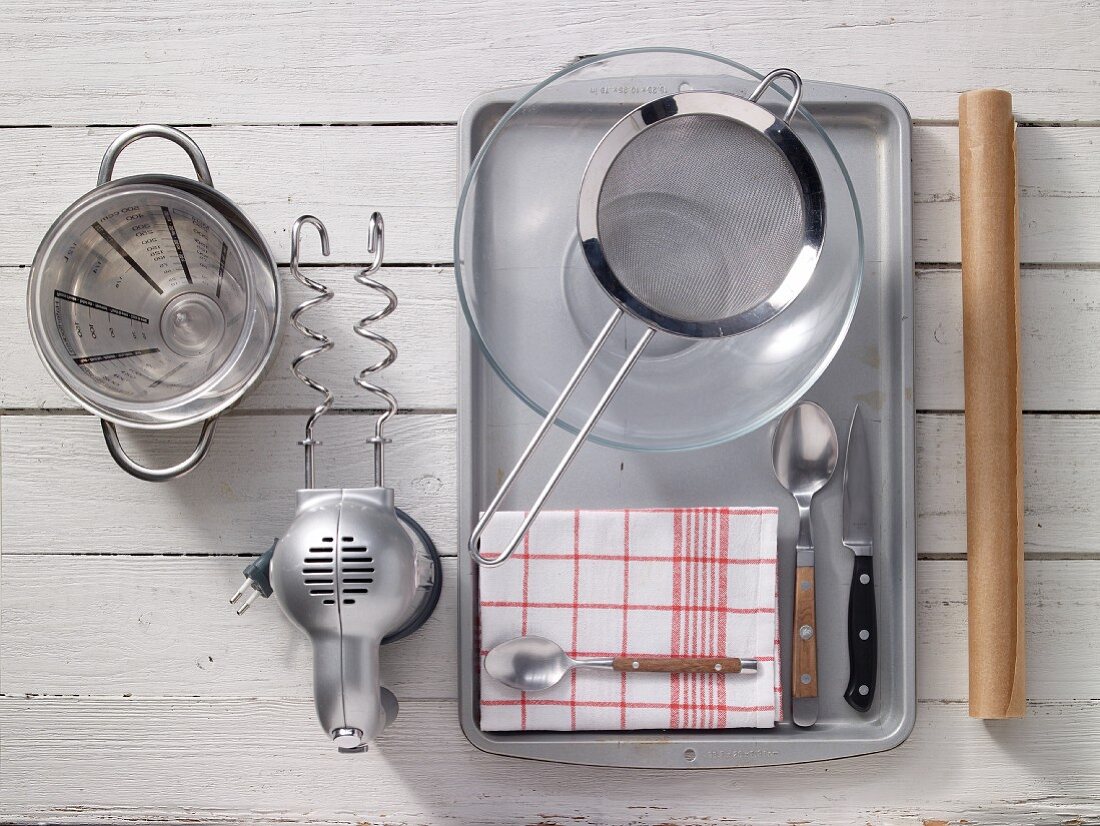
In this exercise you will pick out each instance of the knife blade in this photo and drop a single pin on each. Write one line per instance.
(858, 535)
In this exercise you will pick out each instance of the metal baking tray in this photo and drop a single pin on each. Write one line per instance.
(871, 130)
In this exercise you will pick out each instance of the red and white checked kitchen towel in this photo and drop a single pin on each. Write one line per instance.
(642, 583)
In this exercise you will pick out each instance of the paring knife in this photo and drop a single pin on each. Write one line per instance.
(858, 535)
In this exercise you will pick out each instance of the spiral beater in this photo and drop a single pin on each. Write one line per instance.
(376, 246)
(324, 343)
(363, 328)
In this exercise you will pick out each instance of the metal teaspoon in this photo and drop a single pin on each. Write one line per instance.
(535, 664)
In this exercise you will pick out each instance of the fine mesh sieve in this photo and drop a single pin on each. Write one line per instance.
(701, 214)
(700, 217)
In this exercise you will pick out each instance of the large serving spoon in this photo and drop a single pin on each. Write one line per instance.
(535, 664)
(804, 455)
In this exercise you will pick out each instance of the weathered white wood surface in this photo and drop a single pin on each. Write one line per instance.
(110, 587)
(1061, 324)
(1061, 469)
(273, 173)
(167, 622)
(248, 760)
(56, 471)
(342, 173)
(57, 474)
(423, 328)
(280, 62)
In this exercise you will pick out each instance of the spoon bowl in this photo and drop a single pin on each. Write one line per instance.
(528, 663)
(804, 450)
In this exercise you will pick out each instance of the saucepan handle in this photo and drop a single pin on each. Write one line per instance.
(147, 474)
(153, 130)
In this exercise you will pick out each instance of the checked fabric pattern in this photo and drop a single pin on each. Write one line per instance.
(655, 582)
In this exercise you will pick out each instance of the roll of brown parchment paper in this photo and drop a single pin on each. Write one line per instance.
(991, 353)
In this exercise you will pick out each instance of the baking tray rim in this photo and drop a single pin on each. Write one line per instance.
(555, 746)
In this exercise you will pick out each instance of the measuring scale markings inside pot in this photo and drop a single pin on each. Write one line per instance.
(154, 303)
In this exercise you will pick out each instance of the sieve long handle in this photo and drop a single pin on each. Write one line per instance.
(147, 474)
(540, 434)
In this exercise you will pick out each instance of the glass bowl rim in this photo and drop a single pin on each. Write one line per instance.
(734, 433)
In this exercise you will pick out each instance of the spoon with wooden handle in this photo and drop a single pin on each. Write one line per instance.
(535, 664)
(804, 454)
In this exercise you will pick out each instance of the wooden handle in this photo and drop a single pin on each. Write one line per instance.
(679, 665)
(804, 648)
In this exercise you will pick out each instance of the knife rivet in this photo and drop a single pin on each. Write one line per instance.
(806, 632)
(864, 634)
(718, 666)
(635, 665)
(864, 690)
(864, 579)
(805, 679)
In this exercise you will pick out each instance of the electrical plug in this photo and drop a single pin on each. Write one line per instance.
(257, 577)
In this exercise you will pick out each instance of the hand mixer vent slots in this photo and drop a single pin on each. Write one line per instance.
(348, 571)
(356, 570)
(318, 572)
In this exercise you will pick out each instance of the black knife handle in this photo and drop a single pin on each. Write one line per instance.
(862, 636)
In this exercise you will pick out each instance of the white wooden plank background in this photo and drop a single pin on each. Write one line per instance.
(164, 615)
(129, 693)
(411, 172)
(180, 756)
(341, 62)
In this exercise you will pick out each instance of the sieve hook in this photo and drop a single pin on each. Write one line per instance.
(796, 90)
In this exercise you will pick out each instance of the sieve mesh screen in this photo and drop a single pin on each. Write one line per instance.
(700, 217)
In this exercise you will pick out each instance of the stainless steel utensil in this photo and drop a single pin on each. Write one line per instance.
(804, 456)
(858, 535)
(347, 571)
(702, 215)
(154, 302)
(536, 663)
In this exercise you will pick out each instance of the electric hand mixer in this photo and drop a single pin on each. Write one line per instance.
(347, 571)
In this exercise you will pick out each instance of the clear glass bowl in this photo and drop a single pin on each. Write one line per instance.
(534, 307)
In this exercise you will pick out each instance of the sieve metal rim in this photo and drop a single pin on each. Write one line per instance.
(749, 115)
